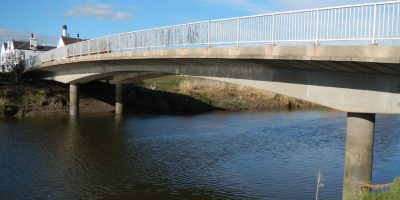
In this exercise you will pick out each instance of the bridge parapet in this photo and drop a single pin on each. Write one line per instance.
(353, 25)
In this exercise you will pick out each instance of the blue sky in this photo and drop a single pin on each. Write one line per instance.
(95, 18)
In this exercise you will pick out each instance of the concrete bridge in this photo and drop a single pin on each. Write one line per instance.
(346, 58)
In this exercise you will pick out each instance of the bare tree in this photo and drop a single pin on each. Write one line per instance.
(12, 63)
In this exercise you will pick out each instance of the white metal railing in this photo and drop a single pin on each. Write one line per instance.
(362, 24)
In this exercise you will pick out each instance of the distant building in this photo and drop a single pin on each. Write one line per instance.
(66, 40)
(13, 52)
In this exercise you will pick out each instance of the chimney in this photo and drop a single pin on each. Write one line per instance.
(33, 43)
(64, 32)
(9, 45)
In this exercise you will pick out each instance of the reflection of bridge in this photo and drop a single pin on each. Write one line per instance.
(346, 58)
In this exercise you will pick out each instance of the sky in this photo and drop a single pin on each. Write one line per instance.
(96, 18)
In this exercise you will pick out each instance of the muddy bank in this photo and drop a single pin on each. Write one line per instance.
(168, 95)
(34, 98)
(47, 98)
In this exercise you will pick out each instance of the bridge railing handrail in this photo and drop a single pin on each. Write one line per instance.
(360, 24)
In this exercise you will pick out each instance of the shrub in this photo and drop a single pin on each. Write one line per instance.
(33, 98)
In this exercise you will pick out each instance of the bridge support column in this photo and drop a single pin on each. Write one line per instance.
(119, 99)
(73, 100)
(359, 154)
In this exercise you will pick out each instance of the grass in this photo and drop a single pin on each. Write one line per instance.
(33, 98)
(166, 84)
(189, 85)
(3, 97)
(224, 95)
(22, 95)
(392, 194)
(3, 102)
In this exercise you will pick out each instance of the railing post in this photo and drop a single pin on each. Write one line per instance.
(98, 46)
(119, 42)
(108, 45)
(273, 30)
(147, 39)
(374, 26)
(237, 32)
(165, 38)
(208, 33)
(317, 28)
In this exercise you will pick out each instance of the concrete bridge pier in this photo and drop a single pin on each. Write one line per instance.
(119, 106)
(73, 99)
(359, 154)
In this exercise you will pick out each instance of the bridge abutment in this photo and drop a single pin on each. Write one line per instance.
(119, 106)
(73, 99)
(359, 154)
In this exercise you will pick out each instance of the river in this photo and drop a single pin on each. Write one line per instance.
(222, 155)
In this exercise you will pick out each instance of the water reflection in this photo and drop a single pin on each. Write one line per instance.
(214, 156)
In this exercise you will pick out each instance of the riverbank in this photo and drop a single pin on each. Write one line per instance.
(226, 96)
(167, 95)
(392, 194)
(30, 99)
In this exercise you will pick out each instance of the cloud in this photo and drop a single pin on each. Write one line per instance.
(122, 16)
(99, 11)
(6, 35)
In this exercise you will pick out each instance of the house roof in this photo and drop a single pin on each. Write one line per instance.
(21, 45)
(70, 40)
(45, 48)
(24, 45)
(5, 45)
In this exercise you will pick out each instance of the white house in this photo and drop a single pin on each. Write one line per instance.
(65, 39)
(13, 52)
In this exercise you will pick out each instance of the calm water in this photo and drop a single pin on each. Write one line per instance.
(212, 156)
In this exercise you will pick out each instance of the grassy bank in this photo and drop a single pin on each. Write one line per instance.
(392, 194)
(224, 95)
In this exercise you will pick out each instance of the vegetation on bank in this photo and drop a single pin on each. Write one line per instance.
(392, 194)
(31, 98)
(224, 95)
(17, 99)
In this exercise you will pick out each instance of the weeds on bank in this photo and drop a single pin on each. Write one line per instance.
(166, 84)
(3, 102)
(33, 98)
(223, 95)
(392, 194)
(21, 95)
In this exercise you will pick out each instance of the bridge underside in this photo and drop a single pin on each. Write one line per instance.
(356, 79)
